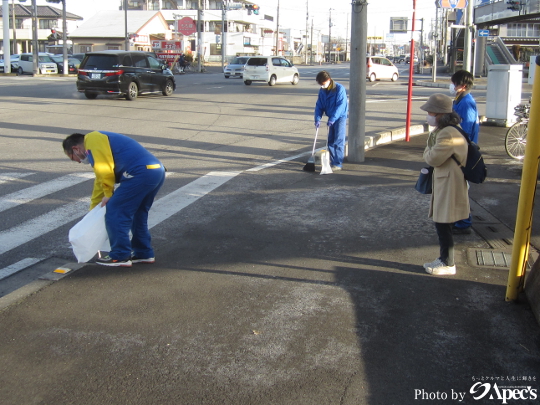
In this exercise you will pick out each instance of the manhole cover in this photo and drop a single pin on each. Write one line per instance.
(496, 258)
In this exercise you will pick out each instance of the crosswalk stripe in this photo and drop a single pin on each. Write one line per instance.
(6, 177)
(172, 203)
(36, 227)
(41, 190)
(16, 267)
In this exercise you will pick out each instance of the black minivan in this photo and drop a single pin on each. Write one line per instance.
(126, 73)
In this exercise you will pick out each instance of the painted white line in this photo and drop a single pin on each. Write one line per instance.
(4, 178)
(40, 190)
(36, 227)
(16, 267)
(172, 203)
(277, 162)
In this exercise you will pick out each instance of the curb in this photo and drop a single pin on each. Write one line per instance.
(445, 85)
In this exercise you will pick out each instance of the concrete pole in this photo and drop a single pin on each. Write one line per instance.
(357, 89)
(126, 45)
(200, 28)
(277, 30)
(6, 44)
(436, 47)
(15, 50)
(64, 38)
(467, 51)
(223, 11)
(307, 23)
(330, 36)
(35, 45)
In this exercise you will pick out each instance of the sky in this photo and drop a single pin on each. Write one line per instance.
(293, 13)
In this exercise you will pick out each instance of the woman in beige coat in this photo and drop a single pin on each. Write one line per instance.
(450, 199)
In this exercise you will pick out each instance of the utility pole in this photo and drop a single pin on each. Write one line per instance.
(436, 43)
(411, 73)
(357, 89)
(14, 29)
(126, 45)
(200, 27)
(329, 35)
(307, 19)
(347, 38)
(35, 45)
(223, 19)
(311, 44)
(277, 30)
(469, 27)
(6, 45)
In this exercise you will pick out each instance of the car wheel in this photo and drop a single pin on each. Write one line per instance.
(226, 77)
(20, 71)
(372, 77)
(168, 89)
(247, 82)
(395, 76)
(133, 91)
(89, 95)
(272, 81)
(295, 79)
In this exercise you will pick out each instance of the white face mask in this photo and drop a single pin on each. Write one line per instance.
(452, 89)
(85, 161)
(431, 120)
(325, 85)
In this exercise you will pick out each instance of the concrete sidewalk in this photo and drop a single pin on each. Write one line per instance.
(287, 287)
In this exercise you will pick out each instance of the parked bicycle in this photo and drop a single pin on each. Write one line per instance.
(516, 137)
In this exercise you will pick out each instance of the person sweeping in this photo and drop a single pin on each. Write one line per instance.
(332, 101)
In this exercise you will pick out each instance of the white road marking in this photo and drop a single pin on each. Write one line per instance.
(277, 162)
(16, 267)
(36, 227)
(6, 177)
(172, 203)
(40, 190)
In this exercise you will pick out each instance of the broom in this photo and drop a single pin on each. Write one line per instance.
(310, 165)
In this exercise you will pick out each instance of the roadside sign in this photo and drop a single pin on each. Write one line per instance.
(453, 3)
(187, 26)
(483, 33)
(167, 45)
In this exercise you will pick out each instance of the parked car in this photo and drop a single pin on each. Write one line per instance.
(270, 69)
(126, 73)
(399, 59)
(46, 65)
(236, 67)
(380, 68)
(73, 64)
(79, 56)
(14, 64)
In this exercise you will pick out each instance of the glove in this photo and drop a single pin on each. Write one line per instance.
(330, 123)
(317, 124)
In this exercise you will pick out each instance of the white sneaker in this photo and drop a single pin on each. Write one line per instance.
(438, 268)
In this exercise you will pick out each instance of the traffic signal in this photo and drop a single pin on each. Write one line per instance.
(514, 5)
(252, 8)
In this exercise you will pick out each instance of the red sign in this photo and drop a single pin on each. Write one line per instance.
(453, 3)
(167, 45)
(187, 26)
(169, 57)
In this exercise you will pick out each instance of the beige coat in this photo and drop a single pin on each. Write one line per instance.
(450, 198)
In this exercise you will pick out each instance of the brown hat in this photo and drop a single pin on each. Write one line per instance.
(438, 103)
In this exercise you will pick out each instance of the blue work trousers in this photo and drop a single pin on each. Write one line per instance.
(336, 141)
(127, 210)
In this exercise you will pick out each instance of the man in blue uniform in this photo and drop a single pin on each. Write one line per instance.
(332, 101)
(117, 158)
(465, 105)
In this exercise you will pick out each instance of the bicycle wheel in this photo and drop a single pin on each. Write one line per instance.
(516, 139)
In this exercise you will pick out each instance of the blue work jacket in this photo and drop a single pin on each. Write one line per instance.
(332, 102)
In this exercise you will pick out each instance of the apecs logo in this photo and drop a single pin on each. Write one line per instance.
(481, 390)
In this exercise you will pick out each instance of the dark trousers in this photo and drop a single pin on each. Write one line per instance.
(446, 242)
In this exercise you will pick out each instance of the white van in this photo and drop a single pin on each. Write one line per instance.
(270, 69)
(378, 67)
(46, 66)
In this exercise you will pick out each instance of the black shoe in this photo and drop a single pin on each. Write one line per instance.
(461, 231)
(135, 259)
(108, 261)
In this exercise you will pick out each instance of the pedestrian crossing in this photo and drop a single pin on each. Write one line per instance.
(33, 228)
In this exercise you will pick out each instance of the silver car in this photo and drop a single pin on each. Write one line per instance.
(236, 67)
(270, 69)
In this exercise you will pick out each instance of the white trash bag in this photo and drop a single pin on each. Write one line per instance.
(89, 235)
(325, 162)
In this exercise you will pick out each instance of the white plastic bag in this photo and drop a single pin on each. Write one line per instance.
(325, 162)
(89, 235)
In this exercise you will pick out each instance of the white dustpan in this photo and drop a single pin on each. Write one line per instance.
(325, 162)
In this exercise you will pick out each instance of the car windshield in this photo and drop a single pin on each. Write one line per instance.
(45, 59)
(239, 61)
(57, 58)
(101, 62)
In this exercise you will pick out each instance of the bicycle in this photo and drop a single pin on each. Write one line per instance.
(516, 136)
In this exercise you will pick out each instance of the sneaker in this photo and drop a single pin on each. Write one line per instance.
(461, 231)
(135, 259)
(336, 168)
(438, 268)
(108, 261)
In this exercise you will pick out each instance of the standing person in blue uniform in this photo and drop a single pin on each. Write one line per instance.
(117, 158)
(465, 105)
(332, 101)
